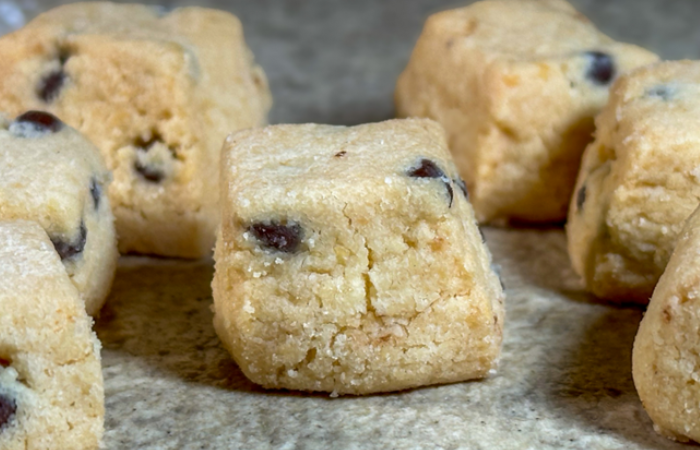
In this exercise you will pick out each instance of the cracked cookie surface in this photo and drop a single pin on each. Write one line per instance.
(51, 387)
(157, 94)
(357, 273)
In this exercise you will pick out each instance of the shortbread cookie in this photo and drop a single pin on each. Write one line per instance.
(639, 181)
(667, 348)
(51, 174)
(157, 94)
(349, 260)
(516, 84)
(51, 390)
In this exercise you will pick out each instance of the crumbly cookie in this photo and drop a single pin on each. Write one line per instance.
(51, 389)
(157, 94)
(638, 183)
(51, 174)
(516, 84)
(665, 358)
(349, 260)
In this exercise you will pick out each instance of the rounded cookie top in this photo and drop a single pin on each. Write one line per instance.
(280, 158)
(50, 172)
(519, 30)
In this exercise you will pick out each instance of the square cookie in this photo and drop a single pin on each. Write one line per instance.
(157, 93)
(349, 260)
(51, 174)
(516, 84)
(639, 181)
(51, 388)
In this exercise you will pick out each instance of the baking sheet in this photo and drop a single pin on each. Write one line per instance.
(564, 382)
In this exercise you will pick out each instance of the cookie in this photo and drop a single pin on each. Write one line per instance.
(50, 174)
(51, 389)
(639, 181)
(157, 94)
(516, 84)
(349, 260)
(665, 356)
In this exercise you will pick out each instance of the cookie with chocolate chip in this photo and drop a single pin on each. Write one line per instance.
(51, 174)
(516, 84)
(639, 181)
(51, 386)
(667, 347)
(349, 260)
(157, 93)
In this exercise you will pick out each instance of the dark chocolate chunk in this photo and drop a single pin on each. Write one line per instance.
(580, 197)
(95, 192)
(41, 120)
(69, 249)
(428, 169)
(601, 69)
(150, 173)
(8, 407)
(50, 86)
(145, 145)
(4, 362)
(340, 154)
(462, 187)
(450, 192)
(277, 236)
(661, 91)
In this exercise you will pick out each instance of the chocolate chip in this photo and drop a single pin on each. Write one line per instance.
(428, 169)
(661, 91)
(69, 249)
(277, 236)
(145, 145)
(150, 173)
(462, 187)
(601, 69)
(50, 86)
(4, 362)
(580, 197)
(8, 407)
(341, 154)
(95, 192)
(450, 192)
(34, 123)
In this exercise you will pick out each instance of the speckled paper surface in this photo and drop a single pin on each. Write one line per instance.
(565, 378)
(564, 382)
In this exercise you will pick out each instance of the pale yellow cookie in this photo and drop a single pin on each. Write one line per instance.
(349, 260)
(516, 84)
(157, 93)
(51, 389)
(51, 174)
(666, 356)
(639, 181)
